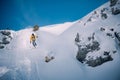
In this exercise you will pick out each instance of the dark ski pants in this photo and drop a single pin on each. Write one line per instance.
(34, 43)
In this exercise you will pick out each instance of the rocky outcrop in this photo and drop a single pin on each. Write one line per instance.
(98, 61)
(36, 28)
(104, 16)
(1, 46)
(5, 38)
(83, 50)
(77, 38)
(117, 36)
(115, 11)
(113, 2)
(5, 41)
(93, 46)
(4, 32)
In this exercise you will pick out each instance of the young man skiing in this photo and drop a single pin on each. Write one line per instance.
(33, 40)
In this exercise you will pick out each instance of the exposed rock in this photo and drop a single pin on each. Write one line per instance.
(109, 34)
(114, 51)
(89, 20)
(83, 51)
(7, 33)
(81, 55)
(4, 41)
(104, 16)
(1, 47)
(77, 38)
(118, 24)
(93, 46)
(36, 28)
(104, 9)
(112, 29)
(98, 61)
(48, 59)
(113, 2)
(115, 11)
(106, 53)
(91, 37)
(117, 35)
(95, 12)
(102, 29)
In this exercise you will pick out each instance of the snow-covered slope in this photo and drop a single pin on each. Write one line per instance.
(58, 28)
(99, 36)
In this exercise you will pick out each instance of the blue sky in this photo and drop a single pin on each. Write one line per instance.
(18, 14)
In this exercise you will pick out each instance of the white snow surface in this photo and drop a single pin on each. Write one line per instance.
(58, 28)
(19, 60)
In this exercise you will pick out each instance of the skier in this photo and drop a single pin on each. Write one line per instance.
(33, 39)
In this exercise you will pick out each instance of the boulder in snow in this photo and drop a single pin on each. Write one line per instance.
(48, 59)
(102, 29)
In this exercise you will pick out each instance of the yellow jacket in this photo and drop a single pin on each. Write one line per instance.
(32, 38)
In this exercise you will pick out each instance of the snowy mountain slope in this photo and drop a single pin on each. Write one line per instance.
(58, 28)
(88, 52)
(21, 38)
(20, 61)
